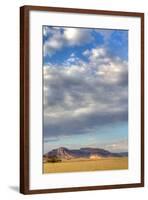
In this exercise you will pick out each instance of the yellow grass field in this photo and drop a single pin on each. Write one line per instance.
(77, 165)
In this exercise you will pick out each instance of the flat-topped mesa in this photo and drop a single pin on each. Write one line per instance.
(88, 152)
(96, 150)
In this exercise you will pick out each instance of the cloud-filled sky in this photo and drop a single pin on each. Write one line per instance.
(85, 88)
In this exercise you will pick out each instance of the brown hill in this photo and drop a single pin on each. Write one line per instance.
(65, 153)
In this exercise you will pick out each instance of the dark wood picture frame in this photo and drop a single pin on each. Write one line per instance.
(24, 98)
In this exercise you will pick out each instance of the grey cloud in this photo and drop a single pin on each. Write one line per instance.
(84, 96)
(82, 125)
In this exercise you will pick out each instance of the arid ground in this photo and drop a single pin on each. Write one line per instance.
(77, 165)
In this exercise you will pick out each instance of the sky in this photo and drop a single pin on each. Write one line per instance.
(85, 88)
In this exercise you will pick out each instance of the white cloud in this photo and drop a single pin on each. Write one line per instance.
(109, 69)
(96, 54)
(77, 36)
(112, 72)
(80, 96)
(60, 37)
(54, 42)
(86, 52)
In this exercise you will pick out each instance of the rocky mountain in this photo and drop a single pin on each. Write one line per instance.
(65, 153)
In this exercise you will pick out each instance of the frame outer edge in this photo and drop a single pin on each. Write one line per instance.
(24, 100)
(142, 100)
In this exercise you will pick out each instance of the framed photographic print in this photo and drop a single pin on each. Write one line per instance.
(82, 99)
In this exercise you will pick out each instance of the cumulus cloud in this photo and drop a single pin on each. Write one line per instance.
(57, 37)
(81, 96)
(77, 36)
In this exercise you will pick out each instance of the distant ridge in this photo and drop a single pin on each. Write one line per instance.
(88, 152)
